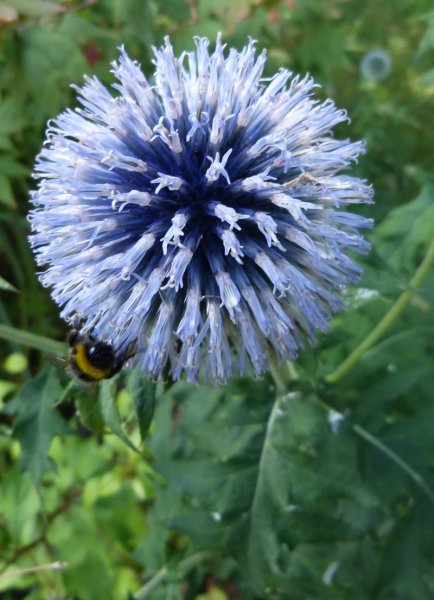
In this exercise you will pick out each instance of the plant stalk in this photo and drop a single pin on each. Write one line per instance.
(386, 322)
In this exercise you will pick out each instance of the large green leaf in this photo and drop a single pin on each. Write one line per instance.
(38, 421)
(274, 484)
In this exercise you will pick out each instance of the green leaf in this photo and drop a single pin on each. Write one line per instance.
(427, 79)
(6, 388)
(110, 412)
(6, 194)
(10, 167)
(142, 390)
(38, 421)
(19, 506)
(276, 486)
(45, 50)
(90, 413)
(406, 229)
(10, 122)
(427, 42)
(5, 285)
(214, 593)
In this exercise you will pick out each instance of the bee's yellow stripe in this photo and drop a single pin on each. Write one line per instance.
(86, 367)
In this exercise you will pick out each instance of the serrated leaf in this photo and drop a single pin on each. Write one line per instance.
(279, 491)
(38, 422)
(142, 390)
(110, 413)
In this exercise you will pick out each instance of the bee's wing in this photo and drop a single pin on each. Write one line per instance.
(57, 361)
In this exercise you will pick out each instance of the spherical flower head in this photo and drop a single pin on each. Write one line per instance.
(376, 64)
(198, 216)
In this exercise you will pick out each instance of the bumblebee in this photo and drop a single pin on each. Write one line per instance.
(90, 360)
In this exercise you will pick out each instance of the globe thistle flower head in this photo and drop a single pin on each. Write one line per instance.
(199, 215)
(376, 64)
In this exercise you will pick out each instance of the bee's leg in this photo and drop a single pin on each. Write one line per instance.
(91, 327)
(129, 353)
(72, 337)
(75, 322)
(117, 367)
(130, 350)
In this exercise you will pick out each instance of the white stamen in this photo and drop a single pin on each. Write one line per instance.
(170, 138)
(257, 182)
(268, 227)
(232, 245)
(217, 167)
(169, 181)
(228, 290)
(229, 215)
(175, 232)
(294, 206)
(133, 197)
(128, 163)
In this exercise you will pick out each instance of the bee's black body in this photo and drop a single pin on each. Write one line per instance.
(90, 360)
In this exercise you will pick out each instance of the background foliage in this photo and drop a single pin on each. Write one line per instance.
(305, 486)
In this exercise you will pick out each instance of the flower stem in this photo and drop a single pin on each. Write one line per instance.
(54, 566)
(278, 379)
(386, 322)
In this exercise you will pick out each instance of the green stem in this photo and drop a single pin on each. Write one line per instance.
(54, 566)
(282, 373)
(293, 373)
(279, 381)
(116, 13)
(183, 568)
(387, 321)
(26, 338)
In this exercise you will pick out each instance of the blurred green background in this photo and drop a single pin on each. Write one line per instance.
(327, 494)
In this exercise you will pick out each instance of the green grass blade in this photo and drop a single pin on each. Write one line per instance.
(26, 338)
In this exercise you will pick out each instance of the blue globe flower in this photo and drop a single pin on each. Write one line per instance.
(376, 64)
(199, 215)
